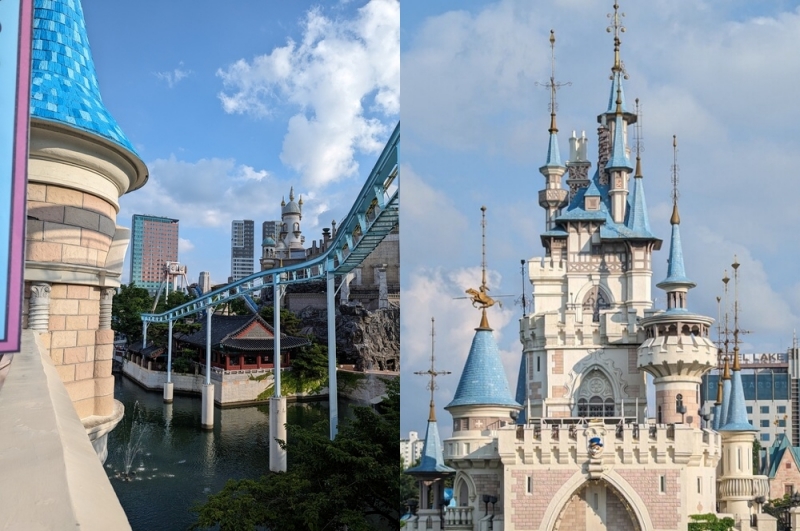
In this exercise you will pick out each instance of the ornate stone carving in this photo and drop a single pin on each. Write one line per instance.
(106, 301)
(39, 307)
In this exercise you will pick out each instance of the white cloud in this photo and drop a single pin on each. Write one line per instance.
(184, 245)
(173, 77)
(210, 193)
(343, 75)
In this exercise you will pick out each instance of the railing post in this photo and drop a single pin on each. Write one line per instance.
(168, 386)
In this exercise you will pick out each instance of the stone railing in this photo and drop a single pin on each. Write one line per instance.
(51, 477)
(750, 487)
(459, 518)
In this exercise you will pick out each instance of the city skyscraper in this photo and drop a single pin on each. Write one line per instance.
(242, 231)
(205, 281)
(154, 242)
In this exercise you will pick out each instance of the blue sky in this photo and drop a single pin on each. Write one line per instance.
(230, 105)
(721, 76)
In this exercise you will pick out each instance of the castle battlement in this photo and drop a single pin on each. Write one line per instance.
(623, 444)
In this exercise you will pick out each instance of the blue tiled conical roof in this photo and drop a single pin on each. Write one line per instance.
(737, 409)
(521, 381)
(637, 220)
(483, 381)
(676, 271)
(619, 158)
(64, 85)
(431, 462)
(553, 154)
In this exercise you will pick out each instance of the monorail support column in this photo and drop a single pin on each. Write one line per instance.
(207, 412)
(332, 388)
(277, 404)
(168, 385)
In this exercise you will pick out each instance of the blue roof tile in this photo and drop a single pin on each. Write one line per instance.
(637, 219)
(676, 272)
(64, 82)
(619, 157)
(483, 381)
(520, 394)
(737, 409)
(431, 461)
(553, 155)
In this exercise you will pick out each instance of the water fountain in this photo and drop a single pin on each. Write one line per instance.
(132, 443)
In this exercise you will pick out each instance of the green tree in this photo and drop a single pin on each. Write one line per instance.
(290, 323)
(756, 456)
(311, 362)
(353, 480)
(126, 310)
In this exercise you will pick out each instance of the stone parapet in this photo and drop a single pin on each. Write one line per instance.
(52, 478)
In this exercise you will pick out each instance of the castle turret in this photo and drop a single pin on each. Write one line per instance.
(677, 350)
(80, 163)
(738, 484)
(431, 471)
(553, 198)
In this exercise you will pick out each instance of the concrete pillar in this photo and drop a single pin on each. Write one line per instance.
(207, 413)
(383, 289)
(276, 327)
(332, 385)
(39, 307)
(277, 430)
(168, 387)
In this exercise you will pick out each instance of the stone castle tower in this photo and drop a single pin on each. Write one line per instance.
(574, 449)
(80, 163)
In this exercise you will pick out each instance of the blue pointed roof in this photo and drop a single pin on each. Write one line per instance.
(676, 271)
(431, 461)
(717, 409)
(726, 398)
(553, 155)
(619, 158)
(616, 84)
(637, 219)
(483, 381)
(521, 394)
(64, 85)
(737, 410)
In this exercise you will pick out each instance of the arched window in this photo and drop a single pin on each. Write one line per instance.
(583, 407)
(609, 408)
(594, 301)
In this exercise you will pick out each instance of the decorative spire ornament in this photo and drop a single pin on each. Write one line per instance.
(433, 373)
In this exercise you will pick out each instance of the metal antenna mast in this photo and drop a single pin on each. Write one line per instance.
(433, 373)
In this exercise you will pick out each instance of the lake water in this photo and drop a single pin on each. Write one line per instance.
(179, 463)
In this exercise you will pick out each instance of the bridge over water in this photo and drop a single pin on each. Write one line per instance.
(375, 212)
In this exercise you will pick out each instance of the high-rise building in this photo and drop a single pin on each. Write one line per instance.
(270, 229)
(205, 281)
(154, 243)
(241, 248)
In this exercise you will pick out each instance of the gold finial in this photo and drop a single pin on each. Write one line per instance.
(719, 393)
(291, 193)
(726, 371)
(619, 99)
(480, 298)
(617, 27)
(283, 201)
(300, 202)
(552, 85)
(433, 373)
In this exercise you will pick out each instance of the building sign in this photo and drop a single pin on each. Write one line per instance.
(773, 358)
(16, 20)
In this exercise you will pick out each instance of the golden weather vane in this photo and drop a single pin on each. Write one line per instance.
(433, 373)
(480, 297)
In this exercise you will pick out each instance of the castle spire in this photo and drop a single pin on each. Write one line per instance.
(433, 373)
(677, 284)
(736, 419)
(638, 220)
(431, 465)
(480, 297)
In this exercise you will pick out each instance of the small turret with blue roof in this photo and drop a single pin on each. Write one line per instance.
(483, 397)
(431, 469)
(553, 198)
(677, 349)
